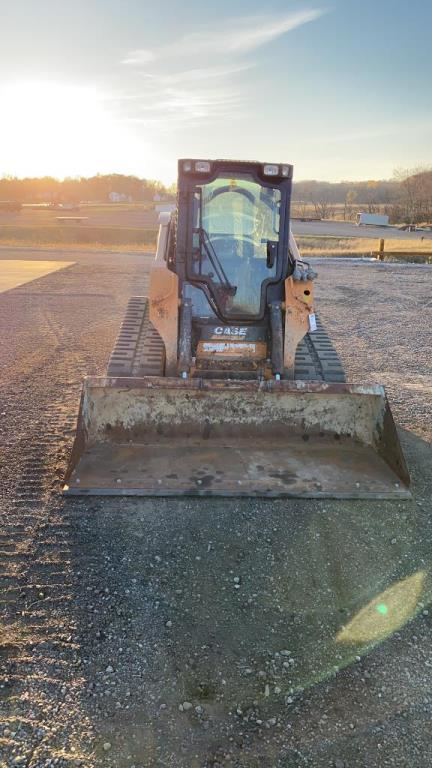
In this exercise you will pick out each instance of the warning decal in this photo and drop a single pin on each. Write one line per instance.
(222, 346)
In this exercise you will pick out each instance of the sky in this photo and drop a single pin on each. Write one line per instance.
(339, 88)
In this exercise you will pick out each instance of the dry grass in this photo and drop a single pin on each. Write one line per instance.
(361, 244)
(112, 208)
(66, 236)
(128, 239)
(337, 211)
(407, 250)
(77, 247)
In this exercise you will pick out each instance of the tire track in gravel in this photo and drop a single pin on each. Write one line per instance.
(85, 577)
(37, 579)
(60, 338)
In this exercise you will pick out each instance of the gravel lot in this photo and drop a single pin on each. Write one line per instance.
(198, 633)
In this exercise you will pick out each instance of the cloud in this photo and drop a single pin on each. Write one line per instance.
(181, 105)
(197, 75)
(243, 36)
(140, 56)
(169, 90)
(261, 31)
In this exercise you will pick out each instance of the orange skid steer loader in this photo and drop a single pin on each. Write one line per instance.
(224, 382)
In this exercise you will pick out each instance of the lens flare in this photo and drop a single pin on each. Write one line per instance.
(386, 613)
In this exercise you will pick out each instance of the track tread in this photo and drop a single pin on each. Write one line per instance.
(317, 359)
(139, 349)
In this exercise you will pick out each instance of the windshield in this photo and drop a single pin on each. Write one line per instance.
(236, 223)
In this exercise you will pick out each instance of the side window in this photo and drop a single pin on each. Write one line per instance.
(196, 220)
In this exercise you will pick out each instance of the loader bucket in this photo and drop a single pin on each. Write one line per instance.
(162, 437)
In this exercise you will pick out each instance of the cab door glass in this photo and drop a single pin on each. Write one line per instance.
(234, 219)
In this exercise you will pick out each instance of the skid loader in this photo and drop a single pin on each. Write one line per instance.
(224, 381)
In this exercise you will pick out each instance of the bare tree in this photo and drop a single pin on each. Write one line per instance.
(371, 196)
(323, 208)
(300, 209)
(415, 200)
(350, 198)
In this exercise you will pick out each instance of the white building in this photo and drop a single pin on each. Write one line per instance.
(165, 207)
(119, 197)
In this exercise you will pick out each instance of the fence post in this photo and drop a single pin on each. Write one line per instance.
(381, 250)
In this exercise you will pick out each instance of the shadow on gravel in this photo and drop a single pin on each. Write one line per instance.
(207, 624)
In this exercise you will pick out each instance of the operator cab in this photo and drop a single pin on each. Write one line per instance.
(232, 255)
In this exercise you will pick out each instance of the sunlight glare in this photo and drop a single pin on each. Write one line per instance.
(62, 130)
(386, 613)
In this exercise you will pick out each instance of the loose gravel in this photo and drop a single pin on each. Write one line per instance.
(217, 632)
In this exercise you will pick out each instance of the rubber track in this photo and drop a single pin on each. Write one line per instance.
(317, 359)
(139, 350)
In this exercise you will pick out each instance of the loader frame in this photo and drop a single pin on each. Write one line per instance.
(165, 421)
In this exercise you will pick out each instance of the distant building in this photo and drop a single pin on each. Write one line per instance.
(119, 197)
(165, 207)
(373, 219)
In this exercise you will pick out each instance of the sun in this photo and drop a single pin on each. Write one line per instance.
(56, 129)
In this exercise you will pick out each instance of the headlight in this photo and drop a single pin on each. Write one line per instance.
(202, 166)
(271, 170)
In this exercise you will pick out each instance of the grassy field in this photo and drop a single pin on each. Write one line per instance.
(335, 210)
(409, 250)
(112, 208)
(121, 238)
(74, 235)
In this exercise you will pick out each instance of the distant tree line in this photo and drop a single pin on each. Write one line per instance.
(414, 204)
(407, 197)
(76, 190)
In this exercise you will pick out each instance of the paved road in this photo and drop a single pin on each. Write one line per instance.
(344, 229)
